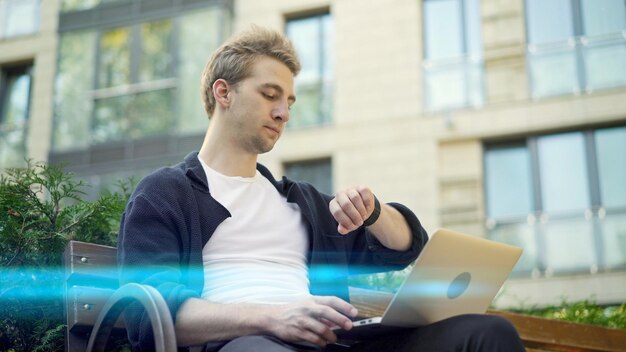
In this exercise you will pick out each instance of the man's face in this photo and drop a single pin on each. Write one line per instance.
(260, 104)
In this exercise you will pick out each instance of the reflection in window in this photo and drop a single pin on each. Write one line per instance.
(73, 101)
(156, 53)
(313, 39)
(611, 147)
(133, 116)
(114, 65)
(316, 172)
(121, 83)
(563, 169)
(195, 45)
(577, 180)
(575, 45)
(508, 182)
(453, 68)
(15, 84)
(77, 5)
(18, 17)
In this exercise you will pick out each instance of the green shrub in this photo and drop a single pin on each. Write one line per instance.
(41, 209)
(586, 312)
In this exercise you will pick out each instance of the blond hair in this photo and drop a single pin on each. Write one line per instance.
(233, 60)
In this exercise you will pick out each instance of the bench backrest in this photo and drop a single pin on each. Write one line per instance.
(90, 279)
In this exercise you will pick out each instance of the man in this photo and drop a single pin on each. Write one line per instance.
(248, 263)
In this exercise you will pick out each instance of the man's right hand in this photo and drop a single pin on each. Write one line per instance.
(311, 320)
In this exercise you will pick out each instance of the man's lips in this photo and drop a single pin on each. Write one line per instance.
(275, 129)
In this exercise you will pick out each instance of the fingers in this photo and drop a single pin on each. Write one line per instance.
(336, 311)
(351, 207)
(320, 331)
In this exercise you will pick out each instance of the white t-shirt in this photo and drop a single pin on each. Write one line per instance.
(258, 255)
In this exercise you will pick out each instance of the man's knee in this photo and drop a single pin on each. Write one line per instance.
(253, 343)
(491, 330)
(261, 343)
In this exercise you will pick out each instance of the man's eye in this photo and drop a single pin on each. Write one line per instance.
(269, 96)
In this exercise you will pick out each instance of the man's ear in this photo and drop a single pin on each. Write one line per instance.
(221, 93)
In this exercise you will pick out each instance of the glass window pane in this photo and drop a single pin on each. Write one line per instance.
(114, 67)
(473, 27)
(549, 21)
(569, 245)
(520, 235)
(443, 32)
(133, 116)
(151, 113)
(508, 182)
(73, 103)
(12, 148)
(21, 17)
(318, 173)
(305, 112)
(76, 5)
(563, 173)
(445, 87)
(603, 16)
(306, 38)
(456, 85)
(156, 54)
(605, 64)
(110, 122)
(614, 231)
(611, 154)
(328, 43)
(16, 100)
(196, 45)
(553, 73)
(313, 39)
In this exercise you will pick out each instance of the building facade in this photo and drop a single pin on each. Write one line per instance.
(502, 119)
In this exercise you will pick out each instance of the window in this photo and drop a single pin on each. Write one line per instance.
(14, 112)
(77, 5)
(18, 17)
(575, 45)
(121, 83)
(313, 39)
(453, 63)
(562, 198)
(316, 172)
(135, 83)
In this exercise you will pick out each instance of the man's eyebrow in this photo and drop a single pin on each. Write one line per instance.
(280, 90)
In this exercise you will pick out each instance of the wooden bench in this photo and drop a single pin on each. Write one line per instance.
(94, 303)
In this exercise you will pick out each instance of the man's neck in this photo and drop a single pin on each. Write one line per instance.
(225, 158)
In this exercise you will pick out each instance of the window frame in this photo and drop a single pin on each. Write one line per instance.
(467, 61)
(319, 14)
(594, 213)
(578, 43)
(25, 68)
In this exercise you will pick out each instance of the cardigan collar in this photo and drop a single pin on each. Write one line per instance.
(195, 172)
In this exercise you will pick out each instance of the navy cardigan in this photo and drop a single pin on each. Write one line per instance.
(171, 215)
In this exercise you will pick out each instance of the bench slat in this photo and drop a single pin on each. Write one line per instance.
(84, 306)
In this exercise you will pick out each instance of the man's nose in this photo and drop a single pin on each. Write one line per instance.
(281, 111)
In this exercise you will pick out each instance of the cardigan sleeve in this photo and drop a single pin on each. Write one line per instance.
(149, 252)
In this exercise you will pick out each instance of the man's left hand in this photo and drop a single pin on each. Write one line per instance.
(351, 207)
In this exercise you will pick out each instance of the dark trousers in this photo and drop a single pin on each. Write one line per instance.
(471, 332)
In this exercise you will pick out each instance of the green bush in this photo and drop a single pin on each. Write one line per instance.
(586, 312)
(41, 209)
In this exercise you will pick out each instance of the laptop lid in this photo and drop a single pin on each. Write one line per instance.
(454, 274)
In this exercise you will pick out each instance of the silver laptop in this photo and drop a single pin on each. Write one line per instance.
(454, 274)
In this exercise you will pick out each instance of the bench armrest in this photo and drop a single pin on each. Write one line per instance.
(152, 302)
